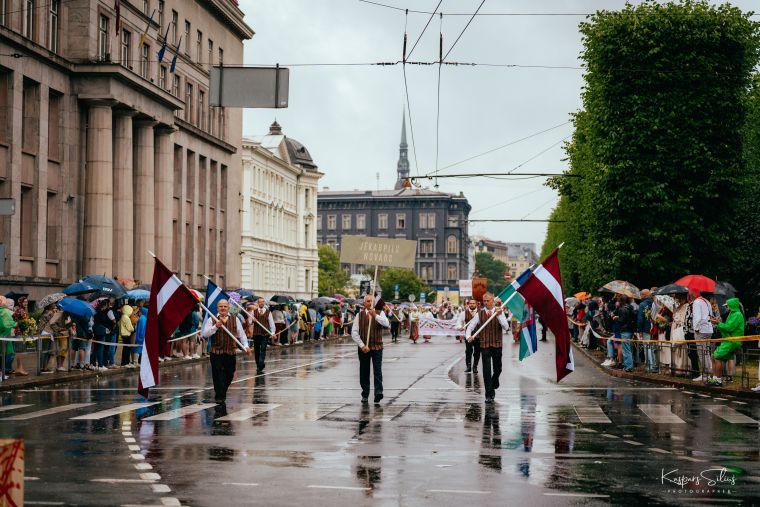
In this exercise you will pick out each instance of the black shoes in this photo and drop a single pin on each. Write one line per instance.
(378, 398)
(489, 400)
(475, 370)
(468, 370)
(365, 400)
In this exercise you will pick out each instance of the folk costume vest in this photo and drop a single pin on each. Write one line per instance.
(374, 338)
(490, 337)
(263, 319)
(222, 342)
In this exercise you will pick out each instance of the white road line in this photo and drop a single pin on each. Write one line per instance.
(632, 442)
(348, 488)
(136, 456)
(170, 501)
(121, 481)
(578, 495)
(5, 408)
(250, 411)
(143, 466)
(284, 369)
(251, 484)
(130, 440)
(660, 414)
(591, 414)
(150, 476)
(135, 448)
(661, 451)
(459, 491)
(739, 402)
(180, 412)
(27, 478)
(730, 415)
(160, 488)
(31, 502)
(607, 435)
(47, 411)
(694, 460)
(114, 411)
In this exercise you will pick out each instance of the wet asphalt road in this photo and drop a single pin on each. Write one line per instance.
(298, 435)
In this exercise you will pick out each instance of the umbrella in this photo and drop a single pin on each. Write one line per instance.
(15, 296)
(340, 297)
(583, 296)
(671, 289)
(127, 283)
(197, 294)
(76, 307)
(697, 282)
(282, 299)
(572, 302)
(246, 294)
(106, 286)
(78, 288)
(622, 287)
(50, 299)
(95, 302)
(666, 301)
(143, 286)
(138, 294)
(726, 289)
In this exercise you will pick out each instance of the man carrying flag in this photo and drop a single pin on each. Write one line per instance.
(543, 291)
(170, 302)
(223, 330)
(516, 304)
(491, 324)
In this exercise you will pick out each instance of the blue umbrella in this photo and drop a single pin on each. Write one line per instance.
(76, 307)
(138, 294)
(105, 286)
(78, 288)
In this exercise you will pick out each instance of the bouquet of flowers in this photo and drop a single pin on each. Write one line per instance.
(753, 325)
(27, 326)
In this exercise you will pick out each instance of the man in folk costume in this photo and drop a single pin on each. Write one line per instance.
(223, 347)
(490, 342)
(367, 332)
(472, 348)
(257, 325)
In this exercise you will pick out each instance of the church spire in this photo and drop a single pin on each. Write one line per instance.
(402, 167)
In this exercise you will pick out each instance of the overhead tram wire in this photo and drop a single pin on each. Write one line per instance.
(438, 106)
(534, 157)
(423, 30)
(464, 29)
(408, 102)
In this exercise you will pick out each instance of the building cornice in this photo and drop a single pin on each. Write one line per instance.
(297, 171)
(189, 127)
(232, 17)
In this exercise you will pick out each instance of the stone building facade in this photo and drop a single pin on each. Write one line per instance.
(520, 256)
(109, 153)
(279, 214)
(436, 220)
(495, 247)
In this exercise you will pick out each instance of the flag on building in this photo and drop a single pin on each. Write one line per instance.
(162, 51)
(214, 294)
(170, 302)
(117, 10)
(176, 53)
(543, 291)
(144, 35)
(515, 302)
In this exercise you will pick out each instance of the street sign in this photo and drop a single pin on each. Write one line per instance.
(422, 297)
(507, 276)
(262, 87)
(396, 287)
(411, 298)
(7, 207)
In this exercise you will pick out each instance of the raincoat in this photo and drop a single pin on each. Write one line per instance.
(733, 326)
(142, 322)
(125, 323)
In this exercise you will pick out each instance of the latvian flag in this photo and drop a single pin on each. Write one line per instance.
(516, 304)
(170, 302)
(543, 291)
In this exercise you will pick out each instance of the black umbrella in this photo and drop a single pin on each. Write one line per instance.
(671, 289)
(79, 288)
(15, 296)
(726, 289)
(282, 299)
(106, 287)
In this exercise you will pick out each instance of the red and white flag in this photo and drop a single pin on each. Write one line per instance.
(543, 291)
(170, 302)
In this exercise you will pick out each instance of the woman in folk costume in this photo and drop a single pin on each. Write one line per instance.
(414, 329)
(680, 356)
(428, 314)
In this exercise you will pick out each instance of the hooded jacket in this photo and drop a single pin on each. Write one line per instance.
(142, 323)
(125, 323)
(734, 324)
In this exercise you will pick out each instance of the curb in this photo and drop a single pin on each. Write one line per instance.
(54, 378)
(690, 386)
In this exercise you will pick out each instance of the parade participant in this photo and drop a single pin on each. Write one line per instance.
(472, 348)
(223, 348)
(367, 332)
(490, 342)
(260, 326)
(428, 314)
(414, 329)
(395, 316)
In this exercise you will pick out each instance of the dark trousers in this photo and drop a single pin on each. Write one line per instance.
(394, 329)
(693, 355)
(376, 357)
(491, 375)
(126, 352)
(472, 351)
(222, 372)
(260, 351)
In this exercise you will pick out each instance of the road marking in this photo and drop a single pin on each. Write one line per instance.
(121, 481)
(391, 412)
(150, 476)
(47, 411)
(349, 488)
(284, 369)
(591, 414)
(134, 448)
(5, 408)
(695, 460)
(130, 440)
(167, 500)
(607, 435)
(251, 484)
(180, 412)
(138, 457)
(632, 442)
(661, 451)
(30, 502)
(729, 414)
(249, 411)
(661, 414)
(27, 478)
(114, 411)
(160, 488)
(739, 402)
(459, 491)
(578, 495)
(143, 466)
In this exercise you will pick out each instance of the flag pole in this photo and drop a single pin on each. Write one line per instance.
(243, 309)
(493, 315)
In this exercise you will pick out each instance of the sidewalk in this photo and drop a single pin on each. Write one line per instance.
(733, 389)
(16, 382)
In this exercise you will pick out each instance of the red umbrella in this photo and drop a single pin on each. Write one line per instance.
(697, 282)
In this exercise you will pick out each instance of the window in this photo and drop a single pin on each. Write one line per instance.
(426, 246)
(55, 9)
(54, 125)
(3, 10)
(187, 37)
(423, 220)
(346, 222)
(210, 61)
(453, 221)
(331, 222)
(427, 220)
(211, 120)
(201, 110)
(126, 39)
(28, 28)
(451, 272)
(189, 102)
(319, 222)
(222, 123)
(306, 234)
(400, 220)
(103, 44)
(162, 77)
(53, 216)
(221, 56)
(361, 222)
(146, 7)
(452, 245)
(175, 85)
(27, 230)
(426, 272)
(144, 64)
(174, 27)
(382, 221)
(160, 16)
(199, 47)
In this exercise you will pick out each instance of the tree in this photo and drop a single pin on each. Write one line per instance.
(658, 145)
(407, 280)
(331, 278)
(493, 269)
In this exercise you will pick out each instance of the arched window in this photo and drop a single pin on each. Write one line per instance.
(452, 245)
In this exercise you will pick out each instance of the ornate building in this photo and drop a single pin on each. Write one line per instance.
(110, 153)
(436, 220)
(279, 205)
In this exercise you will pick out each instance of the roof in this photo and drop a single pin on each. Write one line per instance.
(403, 192)
(297, 154)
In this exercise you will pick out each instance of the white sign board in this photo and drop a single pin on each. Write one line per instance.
(262, 87)
(465, 288)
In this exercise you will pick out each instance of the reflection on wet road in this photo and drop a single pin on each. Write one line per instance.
(298, 433)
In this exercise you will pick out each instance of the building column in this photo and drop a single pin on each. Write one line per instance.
(123, 190)
(164, 178)
(144, 208)
(98, 217)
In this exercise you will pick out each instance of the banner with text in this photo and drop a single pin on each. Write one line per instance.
(438, 327)
(465, 288)
(371, 251)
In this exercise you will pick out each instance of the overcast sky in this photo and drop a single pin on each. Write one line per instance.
(350, 117)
